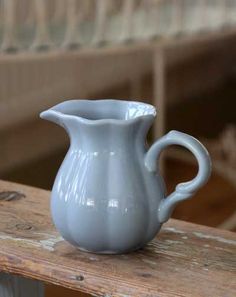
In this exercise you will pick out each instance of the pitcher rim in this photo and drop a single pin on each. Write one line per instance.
(151, 111)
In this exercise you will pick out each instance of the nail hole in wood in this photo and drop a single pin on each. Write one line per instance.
(79, 277)
(11, 195)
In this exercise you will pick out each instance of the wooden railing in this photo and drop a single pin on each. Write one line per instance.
(69, 24)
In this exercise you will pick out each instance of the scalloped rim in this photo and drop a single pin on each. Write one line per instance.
(54, 112)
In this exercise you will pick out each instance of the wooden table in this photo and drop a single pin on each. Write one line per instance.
(183, 260)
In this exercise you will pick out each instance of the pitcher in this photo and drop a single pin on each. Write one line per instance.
(108, 196)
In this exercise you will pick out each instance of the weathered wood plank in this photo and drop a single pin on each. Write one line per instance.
(183, 260)
(16, 286)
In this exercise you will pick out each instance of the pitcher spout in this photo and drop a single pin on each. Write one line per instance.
(52, 115)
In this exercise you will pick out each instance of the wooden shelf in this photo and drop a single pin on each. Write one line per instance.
(183, 260)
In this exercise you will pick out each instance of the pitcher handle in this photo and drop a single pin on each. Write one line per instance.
(184, 190)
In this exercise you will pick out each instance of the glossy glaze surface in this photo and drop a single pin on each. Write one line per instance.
(108, 196)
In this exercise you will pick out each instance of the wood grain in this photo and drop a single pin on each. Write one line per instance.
(184, 260)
